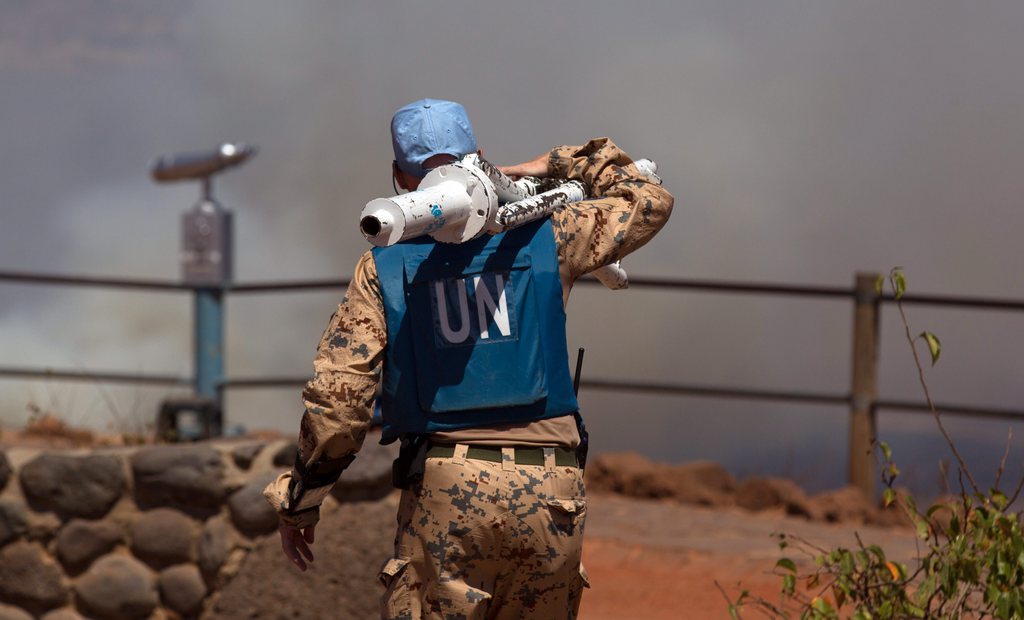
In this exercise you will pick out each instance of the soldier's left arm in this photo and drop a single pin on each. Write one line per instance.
(338, 400)
(625, 209)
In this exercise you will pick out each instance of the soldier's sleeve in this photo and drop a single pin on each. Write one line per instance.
(339, 399)
(624, 211)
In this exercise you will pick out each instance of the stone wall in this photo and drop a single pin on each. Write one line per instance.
(146, 532)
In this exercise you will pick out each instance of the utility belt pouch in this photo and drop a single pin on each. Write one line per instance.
(408, 467)
(584, 447)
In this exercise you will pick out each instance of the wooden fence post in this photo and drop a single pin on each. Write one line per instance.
(864, 390)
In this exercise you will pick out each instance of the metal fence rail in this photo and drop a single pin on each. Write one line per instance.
(13, 372)
(862, 400)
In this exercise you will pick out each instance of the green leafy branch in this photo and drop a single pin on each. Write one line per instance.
(898, 282)
(972, 563)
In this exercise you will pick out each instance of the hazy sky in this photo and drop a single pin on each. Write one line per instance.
(803, 141)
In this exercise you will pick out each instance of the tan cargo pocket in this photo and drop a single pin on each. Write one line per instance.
(391, 570)
(398, 601)
(584, 577)
(568, 515)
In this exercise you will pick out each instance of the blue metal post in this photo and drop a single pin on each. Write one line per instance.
(209, 342)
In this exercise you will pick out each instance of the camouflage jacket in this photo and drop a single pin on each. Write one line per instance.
(628, 209)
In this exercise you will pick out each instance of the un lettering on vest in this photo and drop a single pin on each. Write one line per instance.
(477, 309)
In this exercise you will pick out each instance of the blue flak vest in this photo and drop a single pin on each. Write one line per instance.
(476, 333)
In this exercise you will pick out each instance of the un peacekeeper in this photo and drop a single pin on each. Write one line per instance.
(467, 346)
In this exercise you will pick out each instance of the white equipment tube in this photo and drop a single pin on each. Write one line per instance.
(507, 189)
(649, 169)
(454, 204)
(612, 276)
(386, 221)
(539, 206)
(459, 202)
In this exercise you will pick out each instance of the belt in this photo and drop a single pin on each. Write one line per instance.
(564, 457)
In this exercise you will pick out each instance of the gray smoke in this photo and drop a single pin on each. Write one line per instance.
(803, 141)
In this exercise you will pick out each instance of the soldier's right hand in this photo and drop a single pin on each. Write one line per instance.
(295, 543)
(537, 167)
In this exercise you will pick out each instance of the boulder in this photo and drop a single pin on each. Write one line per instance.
(250, 511)
(285, 456)
(80, 542)
(73, 486)
(8, 612)
(30, 579)
(117, 587)
(42, 526)
(244, 455)
(214, 544)
(845, 505)
(5, 470)
(762, 493)
(182, 589)
(368, 477)
(163, 537)
(63, 614)
(13, 523)
(187, 477)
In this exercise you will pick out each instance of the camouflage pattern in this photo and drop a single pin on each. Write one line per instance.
(339, 398)
(589, 234)
(478, 539)
(630, 211)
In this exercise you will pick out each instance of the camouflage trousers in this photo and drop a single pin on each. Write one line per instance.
(483, 540)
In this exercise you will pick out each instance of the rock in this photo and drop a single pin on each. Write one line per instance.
(250, 511)
(5, 470)
(80, 542)
(8, 612)
(13, 523)
(117, 587)
(43, 526)
(285, 457)
(73, 486)
(369, 475)
(245, 455)
(845, 505)
(163, 537)
(213, 548)
(182, 589)
(762, 493)
(30, 579)
(187, 477)
(62, 614)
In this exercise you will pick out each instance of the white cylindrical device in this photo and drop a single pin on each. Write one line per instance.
(507, 189)
(453, 204)
(386, 221)
(535, 207)
(612, 276)
(648, 168)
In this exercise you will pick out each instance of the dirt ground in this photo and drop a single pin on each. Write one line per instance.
(646, 559)
(660, 560)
